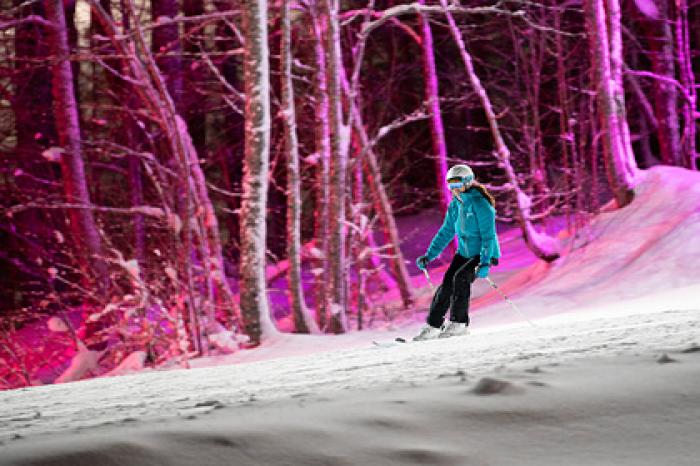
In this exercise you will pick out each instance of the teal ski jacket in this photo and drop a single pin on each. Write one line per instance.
(473, 220)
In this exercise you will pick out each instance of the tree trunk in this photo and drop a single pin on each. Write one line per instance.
(323, 148)
(647, 120)
(688, 153)
(82, 222)
(136, 193)
(338, 173)
(606, 58)
(542, 245)
(303, 322)
(616, 62)
(358, 236)
(254, 304)
(166, 48)
(131, 134)
(383, 208)
(566, 134)
(660, 39)
(432, 96)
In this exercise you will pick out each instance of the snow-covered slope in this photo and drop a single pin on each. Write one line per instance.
(651, 246)
(587, 391)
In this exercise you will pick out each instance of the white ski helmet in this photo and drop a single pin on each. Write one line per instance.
(460, 171)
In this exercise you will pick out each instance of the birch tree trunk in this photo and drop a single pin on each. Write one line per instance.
(65, 109)
(616, 62)
(303, 322)
(606, 57)
(688, 147)
(360, 234)
(543, 246)
(432, 96)
(338, 173)
(323, 148)
(254, 304)
(660, 39)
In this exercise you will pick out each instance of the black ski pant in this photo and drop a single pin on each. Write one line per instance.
(454, 292)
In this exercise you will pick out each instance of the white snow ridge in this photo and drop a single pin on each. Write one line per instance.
(609, 376)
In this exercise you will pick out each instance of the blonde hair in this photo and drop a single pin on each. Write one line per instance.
(484, 192)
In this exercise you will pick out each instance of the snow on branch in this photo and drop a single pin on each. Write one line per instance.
(666, 79)
(350, 15)
(415, 8)
(149, 211)
(416, 115)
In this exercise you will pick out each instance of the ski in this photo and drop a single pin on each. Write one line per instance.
(387, 344)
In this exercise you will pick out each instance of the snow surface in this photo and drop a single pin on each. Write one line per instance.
(585, 391)
(609, 375)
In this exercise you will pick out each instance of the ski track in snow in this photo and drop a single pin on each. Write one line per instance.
(167, 394)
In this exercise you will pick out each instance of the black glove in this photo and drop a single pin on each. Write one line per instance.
(422, 262)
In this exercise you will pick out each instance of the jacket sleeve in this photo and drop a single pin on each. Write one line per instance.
(486, 217)
(443, 236)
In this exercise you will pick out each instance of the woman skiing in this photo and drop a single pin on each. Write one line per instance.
(471, 215)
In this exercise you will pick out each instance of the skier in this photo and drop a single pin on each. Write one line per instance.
(472, 216)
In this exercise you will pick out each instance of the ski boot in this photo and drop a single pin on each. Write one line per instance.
(454, 329)
(428, 332)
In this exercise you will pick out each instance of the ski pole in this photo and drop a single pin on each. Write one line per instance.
(509, 301)
(427, 277)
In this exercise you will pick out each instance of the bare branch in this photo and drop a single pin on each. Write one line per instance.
(416, 115)
(35, 19)
(666, 79)
(149, 211)
(415, 8)
(222, 80)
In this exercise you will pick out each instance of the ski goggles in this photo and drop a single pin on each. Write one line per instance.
(456, 183)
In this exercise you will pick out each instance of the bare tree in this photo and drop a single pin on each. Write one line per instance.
(659, 36)
(338, 172)
(372, 169)
(303, 322)
(82, 222)
(323, 149)
(689, 154)
(605, 45)
(254, 305)
(201, 227)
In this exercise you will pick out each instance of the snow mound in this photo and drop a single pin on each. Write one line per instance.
(649, 246)
(491, 386)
